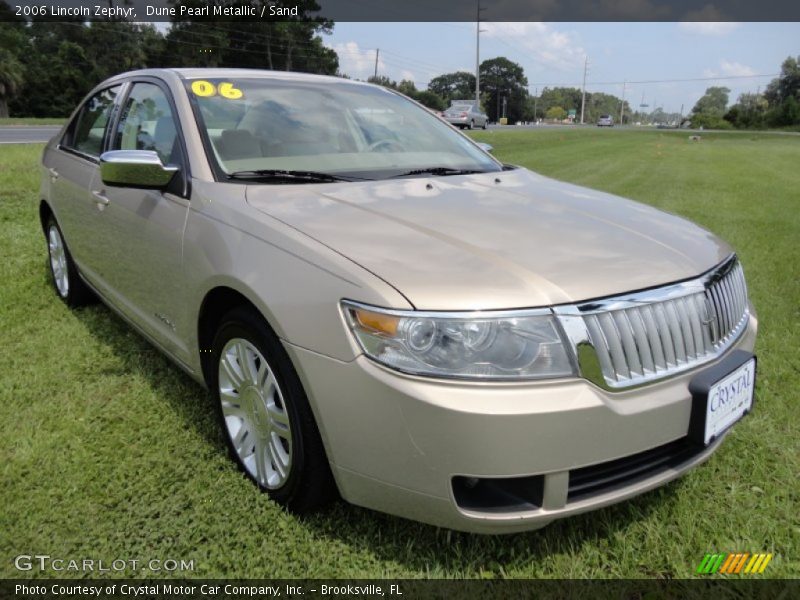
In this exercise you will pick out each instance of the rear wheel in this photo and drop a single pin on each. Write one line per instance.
(69, 286)
(265, 415)
(485, 124)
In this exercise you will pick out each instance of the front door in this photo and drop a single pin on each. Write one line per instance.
(144, 260)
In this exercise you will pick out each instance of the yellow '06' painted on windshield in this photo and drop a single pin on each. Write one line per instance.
(206, 89)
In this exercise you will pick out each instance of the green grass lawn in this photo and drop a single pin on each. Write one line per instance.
(108, 451)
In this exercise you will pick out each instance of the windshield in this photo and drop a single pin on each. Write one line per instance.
(342, 129)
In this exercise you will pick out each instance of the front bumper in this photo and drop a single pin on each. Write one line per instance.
(396, 442)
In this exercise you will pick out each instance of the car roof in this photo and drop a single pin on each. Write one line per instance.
(220, 73)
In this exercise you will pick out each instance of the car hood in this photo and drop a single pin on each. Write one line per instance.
(499, 240)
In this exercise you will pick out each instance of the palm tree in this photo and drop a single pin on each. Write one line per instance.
(10, 79)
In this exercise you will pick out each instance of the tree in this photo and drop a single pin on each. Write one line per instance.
(382, 80)
(505, 83)
(431, 100)
(710, 108)
(598, 103)
(62, 60)
(12, 72)
(57, 69)
(287, 45)
(566, 98)
(749, 111)
(11, 79)
(407, 87)
(453, 86)
(787, 84)
(783, 95)
(556, 112)
(788, 113)
(713, 102)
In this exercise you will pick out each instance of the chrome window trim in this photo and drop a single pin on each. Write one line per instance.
(435, 314)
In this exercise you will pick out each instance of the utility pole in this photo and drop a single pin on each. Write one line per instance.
(478, 56)
(583, 93)
(377, 53)
(535, 98)
(622, 104)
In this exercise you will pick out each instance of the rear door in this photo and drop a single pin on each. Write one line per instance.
(145, 262)
(73, 167)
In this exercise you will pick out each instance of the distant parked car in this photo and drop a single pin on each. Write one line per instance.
(605, 121)
(466, 115)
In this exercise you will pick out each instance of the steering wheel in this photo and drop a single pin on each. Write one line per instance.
(385, 143)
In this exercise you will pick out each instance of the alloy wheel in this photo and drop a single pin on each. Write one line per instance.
(58, 260)
(255, 413)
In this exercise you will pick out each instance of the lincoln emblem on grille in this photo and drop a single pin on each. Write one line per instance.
(709, 320)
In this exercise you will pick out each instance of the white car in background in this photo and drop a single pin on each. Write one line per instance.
(465, 115)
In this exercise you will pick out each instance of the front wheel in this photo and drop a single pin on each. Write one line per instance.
(265, 415)
(69, 286)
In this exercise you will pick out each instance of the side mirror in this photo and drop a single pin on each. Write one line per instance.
(485, 147)
(135, 168)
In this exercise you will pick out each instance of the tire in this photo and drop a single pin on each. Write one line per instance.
(265, 416)
(485, 124)
(63, 273)
(471, 124)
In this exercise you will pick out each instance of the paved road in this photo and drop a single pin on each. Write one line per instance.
(494, 127)
(27, 134)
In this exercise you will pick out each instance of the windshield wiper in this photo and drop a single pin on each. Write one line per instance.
(441, 171)
(291, 176)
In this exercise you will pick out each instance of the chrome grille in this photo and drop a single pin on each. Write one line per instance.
(654, 334)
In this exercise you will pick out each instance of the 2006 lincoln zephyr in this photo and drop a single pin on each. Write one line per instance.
(384, 310)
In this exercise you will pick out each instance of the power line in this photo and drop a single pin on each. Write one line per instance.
(649, 81)
(415, 60)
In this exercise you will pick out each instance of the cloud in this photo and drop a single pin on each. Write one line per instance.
(540, 43)
(357, 62)
(709, 20)
(708, 27)
(729, 69)
(736, 69)
(407, 75)
(634, 10)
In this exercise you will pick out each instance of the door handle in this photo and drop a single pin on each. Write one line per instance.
(100, 198)
(53, 173)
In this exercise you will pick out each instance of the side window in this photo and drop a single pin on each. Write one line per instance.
(147, 123)
(86, 134)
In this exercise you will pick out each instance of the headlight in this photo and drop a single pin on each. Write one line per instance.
(507, 345)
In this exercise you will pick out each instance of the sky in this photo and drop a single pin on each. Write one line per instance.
(553, 54)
